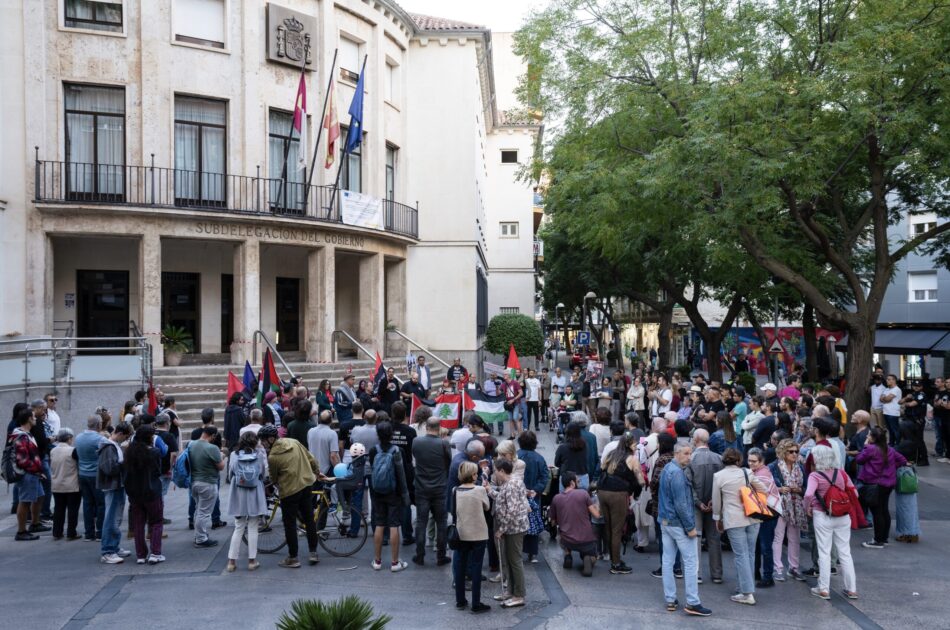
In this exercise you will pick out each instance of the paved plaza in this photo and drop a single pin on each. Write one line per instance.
(902, 586)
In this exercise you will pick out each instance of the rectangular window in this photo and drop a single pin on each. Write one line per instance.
(920, 223)
(350, 60)
(922, 286)
(96, 15)
(509, 229)
(351, 177)
(509, 310)
(389, 81)
(509, 156)
(391, 172)
(200, 151)
(200, 22)
(287, 184)
(95, 142)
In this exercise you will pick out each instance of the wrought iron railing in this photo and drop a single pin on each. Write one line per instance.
(155, 186)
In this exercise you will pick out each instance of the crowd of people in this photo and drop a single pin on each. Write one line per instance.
(694, 465)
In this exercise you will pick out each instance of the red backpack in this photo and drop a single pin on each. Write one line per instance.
(836, 500)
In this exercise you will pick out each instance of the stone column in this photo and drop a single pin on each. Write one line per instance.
(320, 315)
(247, 302)
(150, 283)
(372, 303)
(396, 304)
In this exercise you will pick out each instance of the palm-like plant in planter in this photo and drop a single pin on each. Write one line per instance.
(346, 613)
(176, 340)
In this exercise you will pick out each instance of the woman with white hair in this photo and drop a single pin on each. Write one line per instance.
(827, 487)
(508, 449)
(65, 485)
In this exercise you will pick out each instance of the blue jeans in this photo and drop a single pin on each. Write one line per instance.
(47, 511)
(893, 429)
(523, 410)
(93, 507)
(678, 565)
(743, 547)
(356, 507)
(115, 505)
(908, 519)
(677, 542)
(763, 549)
(467, 560)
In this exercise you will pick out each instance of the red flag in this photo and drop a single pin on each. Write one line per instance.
(378, 373)
(152, 400)
(513, 363)
(235, 385)
(332, 124)
(300, 122)
(416, 404)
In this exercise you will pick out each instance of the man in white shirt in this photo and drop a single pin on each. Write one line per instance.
(559, 379)
(425, 375)
(891, 407)
(52, 418)
(533, 398)
(877, 407)
(254, 421)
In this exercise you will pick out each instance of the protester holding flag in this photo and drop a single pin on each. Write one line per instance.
(513, 394)
(233, 420)
(269, 382)
(412, 388)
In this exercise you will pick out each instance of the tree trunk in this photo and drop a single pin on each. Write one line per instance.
(666, 326)
(810, 335)
(858, 366)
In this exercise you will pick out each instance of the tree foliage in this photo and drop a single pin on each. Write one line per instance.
(710, 147)
(514, 328)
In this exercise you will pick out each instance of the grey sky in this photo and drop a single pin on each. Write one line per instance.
(498, 15)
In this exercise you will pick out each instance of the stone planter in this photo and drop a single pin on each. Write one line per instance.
(172, 359)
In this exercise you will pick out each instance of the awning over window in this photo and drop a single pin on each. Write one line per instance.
(907, 341)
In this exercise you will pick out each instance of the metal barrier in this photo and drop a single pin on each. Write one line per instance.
(352, 340)
(28, 363)
(273, 349)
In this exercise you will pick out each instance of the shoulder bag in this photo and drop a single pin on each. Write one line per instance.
(907, 482)
(755, 502)
(451, 531)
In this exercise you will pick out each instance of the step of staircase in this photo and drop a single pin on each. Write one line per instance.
(200, 385)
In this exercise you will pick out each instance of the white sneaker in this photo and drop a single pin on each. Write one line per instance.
(376, 565)
(155, 558)
(123, 553)
(944, 460)
(740, 598)
(111, 558)
(140, 561)
(399, 566)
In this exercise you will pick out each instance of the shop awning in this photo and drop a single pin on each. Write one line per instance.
(907, 341)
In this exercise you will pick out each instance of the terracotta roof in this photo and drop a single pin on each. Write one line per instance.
(430, 23)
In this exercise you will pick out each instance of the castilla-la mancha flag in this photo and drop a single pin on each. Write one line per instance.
(447, 410)
(332, 124)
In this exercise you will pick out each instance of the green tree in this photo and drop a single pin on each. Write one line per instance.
(515, 328)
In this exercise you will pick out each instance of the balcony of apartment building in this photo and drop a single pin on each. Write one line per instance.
(204, 191)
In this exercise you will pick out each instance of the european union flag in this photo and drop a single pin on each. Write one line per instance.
(354, 134)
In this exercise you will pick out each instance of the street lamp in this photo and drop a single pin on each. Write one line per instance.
(557, 338)
(590, 296)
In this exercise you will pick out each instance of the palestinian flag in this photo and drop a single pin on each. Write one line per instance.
(513, 364)
(488, 408)
(269, 381)
(416, 404)
(447, 410)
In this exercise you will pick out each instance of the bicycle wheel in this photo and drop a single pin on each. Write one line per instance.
(270, 531)
(335, 538)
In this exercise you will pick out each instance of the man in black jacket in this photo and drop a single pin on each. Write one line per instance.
(433, 457)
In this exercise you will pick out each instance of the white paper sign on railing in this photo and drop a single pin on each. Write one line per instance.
(361, 210)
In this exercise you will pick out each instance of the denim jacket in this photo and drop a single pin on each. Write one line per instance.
(676, 498)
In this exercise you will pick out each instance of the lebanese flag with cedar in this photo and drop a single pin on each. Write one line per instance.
(447, 408)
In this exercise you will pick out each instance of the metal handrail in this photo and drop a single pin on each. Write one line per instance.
(273, 349)
(420, 346)
(354, 342)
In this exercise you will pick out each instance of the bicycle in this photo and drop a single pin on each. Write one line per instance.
(334, 537)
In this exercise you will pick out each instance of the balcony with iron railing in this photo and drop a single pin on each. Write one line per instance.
(159, 187)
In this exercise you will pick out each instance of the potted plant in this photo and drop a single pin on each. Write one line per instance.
(349, 612)
(176, 340)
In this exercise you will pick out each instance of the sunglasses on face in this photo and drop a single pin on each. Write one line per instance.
(793, 451)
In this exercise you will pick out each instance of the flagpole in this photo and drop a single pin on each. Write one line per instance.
(323, 114)
(290, 134)
(339, 170)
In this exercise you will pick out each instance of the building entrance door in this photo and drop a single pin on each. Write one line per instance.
(180, 303)
(288, 314)
(102, 306)
(227, 311)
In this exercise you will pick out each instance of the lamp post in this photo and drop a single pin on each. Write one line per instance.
(590, 296)
(557, 337)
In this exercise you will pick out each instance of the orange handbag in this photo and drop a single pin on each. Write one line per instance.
(755, 502)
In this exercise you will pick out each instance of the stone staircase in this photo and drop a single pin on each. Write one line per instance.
(195, 387)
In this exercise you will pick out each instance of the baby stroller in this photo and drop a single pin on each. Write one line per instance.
(547, 496)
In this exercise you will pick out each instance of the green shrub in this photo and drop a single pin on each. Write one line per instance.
(347, 613)
(518, 329)
(684, 371)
